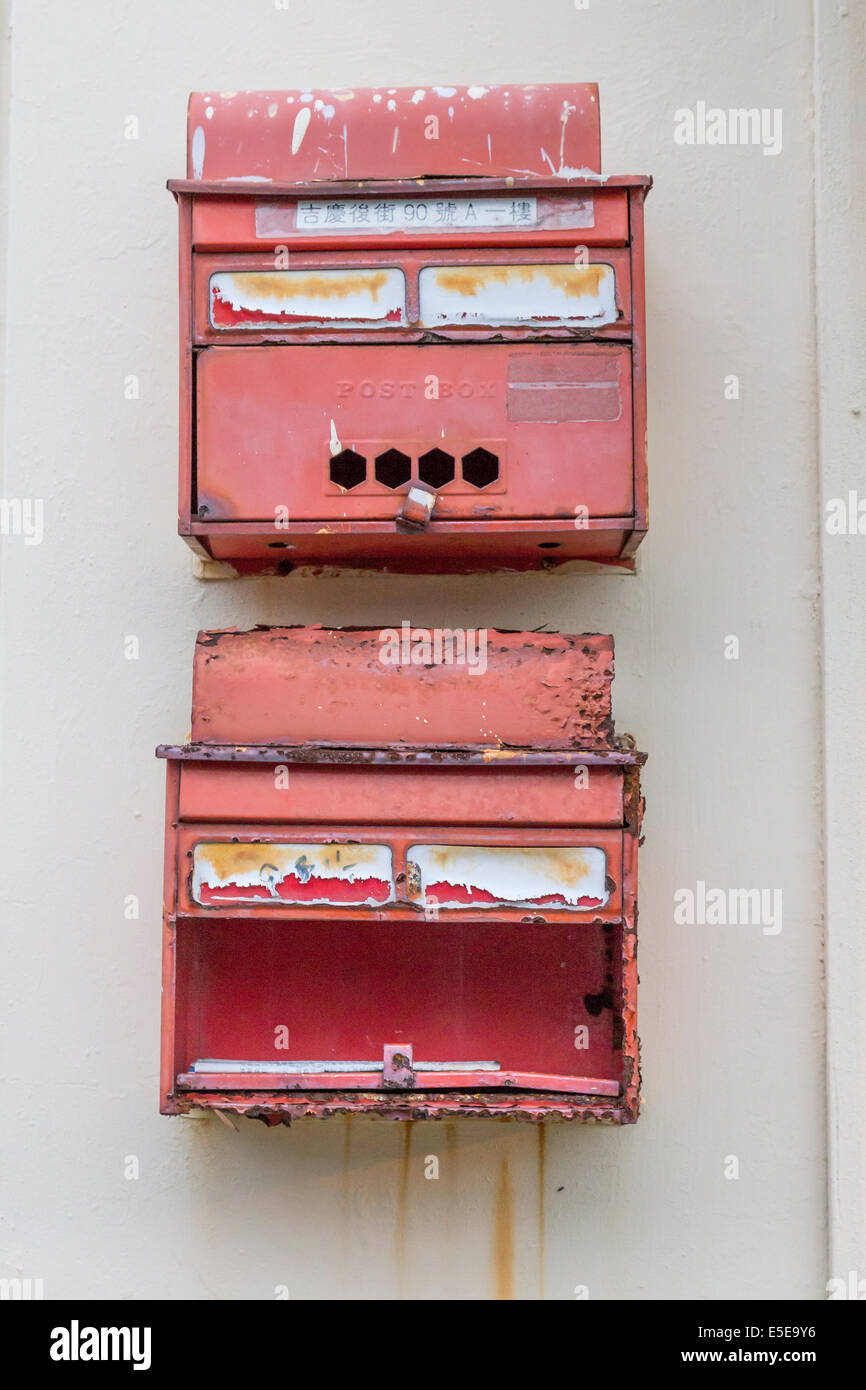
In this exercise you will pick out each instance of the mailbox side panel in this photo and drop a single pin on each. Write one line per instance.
(168, 1105)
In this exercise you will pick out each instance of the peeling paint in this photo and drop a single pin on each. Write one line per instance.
(305, 872)
(299, 130)
(514, 294)
(197, 152)
(558, 117)
(248, 299)
(518, 876)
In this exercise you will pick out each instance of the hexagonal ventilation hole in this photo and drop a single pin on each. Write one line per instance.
(347, 468)
(480, 468)
(436, 468)
(393, 468)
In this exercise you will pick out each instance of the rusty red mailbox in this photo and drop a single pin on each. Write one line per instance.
(412, 331)
(400, 878)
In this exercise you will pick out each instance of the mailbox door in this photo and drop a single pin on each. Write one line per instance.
(515, 432)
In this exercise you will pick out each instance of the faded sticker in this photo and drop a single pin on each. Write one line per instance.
(495, 875)
(259, 871)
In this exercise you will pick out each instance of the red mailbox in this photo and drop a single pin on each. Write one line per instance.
(400, 877)
(412, 331)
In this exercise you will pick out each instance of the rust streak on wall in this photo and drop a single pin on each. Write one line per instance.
(542, 1136)
(402, 1199)
(502, 1259)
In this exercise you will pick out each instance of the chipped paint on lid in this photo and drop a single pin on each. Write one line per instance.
(492, 131)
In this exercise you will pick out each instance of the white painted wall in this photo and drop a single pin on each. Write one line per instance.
(732, 1019)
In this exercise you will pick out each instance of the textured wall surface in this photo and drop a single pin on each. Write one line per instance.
(731, 1017)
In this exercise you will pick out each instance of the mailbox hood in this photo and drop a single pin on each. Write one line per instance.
(403, 686)
(511, 130)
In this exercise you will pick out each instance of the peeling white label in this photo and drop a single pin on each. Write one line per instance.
(513, 294)
(523, 876)
(334, 298)
(414, 215)
(293, 873)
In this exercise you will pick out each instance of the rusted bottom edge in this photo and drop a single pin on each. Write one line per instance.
(534, 1108)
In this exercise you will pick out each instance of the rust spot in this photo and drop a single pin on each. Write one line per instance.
(347, 1181)
(574, 279)
(503, 1236)
(402, 1200)
(270, 284)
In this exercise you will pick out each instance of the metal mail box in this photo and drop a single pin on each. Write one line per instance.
(412, 331)
(401, 886)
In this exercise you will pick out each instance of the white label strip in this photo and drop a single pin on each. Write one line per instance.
(359, 215)
(297, 873)
(516, 294)
(489, 876)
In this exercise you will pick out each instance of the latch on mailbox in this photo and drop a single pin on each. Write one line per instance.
(417, 509)
(397, 1067)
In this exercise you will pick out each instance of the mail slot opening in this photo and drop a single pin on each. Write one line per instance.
(510, 295)
(480, 468)
(347, 469)
(534, 1000)
(436, 468)
(326, 298)
(393, 469)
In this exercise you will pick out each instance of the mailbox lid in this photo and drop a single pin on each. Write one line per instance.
(397, 686)
(547, 130)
